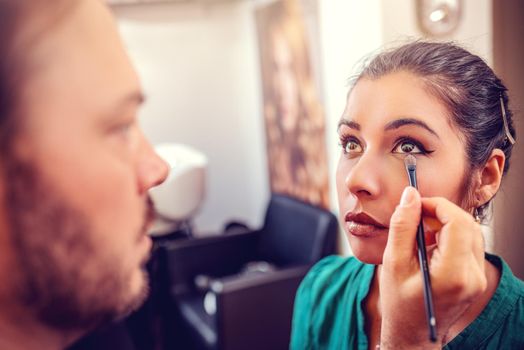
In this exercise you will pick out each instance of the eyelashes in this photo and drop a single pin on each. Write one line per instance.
(403, 145)
(350, 145)
(408, 145)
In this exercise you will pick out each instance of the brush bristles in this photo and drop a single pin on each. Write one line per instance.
(411, 162)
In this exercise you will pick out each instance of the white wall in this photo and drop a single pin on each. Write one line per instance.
(474, 32)
(348, 30)
(199, 68)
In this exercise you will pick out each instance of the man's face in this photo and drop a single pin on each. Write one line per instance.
(78, 179)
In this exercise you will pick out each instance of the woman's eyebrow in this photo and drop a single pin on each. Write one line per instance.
(349, 123)
(395, 124)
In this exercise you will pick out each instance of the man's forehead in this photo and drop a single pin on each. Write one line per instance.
(83, 61)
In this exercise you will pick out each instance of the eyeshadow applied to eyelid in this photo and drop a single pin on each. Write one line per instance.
(417, 147)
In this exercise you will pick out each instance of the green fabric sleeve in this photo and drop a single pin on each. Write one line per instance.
(301, 334)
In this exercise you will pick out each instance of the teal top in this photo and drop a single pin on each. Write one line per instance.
(329, 311)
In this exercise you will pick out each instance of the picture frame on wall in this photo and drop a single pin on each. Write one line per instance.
(292, 107)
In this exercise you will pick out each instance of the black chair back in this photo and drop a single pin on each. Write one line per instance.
(293, 232)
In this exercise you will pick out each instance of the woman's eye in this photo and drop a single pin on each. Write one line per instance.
(351, 146)
(408, 147)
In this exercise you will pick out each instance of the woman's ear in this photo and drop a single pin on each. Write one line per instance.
(490, 177)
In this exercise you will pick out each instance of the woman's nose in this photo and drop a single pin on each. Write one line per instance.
(363, 179)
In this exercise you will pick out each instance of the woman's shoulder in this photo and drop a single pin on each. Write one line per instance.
(331, 291)
(500, 324)
(335, 273)
(509, 283)
(511, 292)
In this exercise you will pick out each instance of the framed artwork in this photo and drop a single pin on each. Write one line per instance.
(293, 115)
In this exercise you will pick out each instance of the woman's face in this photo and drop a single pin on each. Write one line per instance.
(384, 120)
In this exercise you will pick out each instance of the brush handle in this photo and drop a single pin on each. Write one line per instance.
(428, 296)
(423, 261)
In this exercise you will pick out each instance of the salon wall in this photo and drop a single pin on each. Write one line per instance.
(475, 30)
(199, 67)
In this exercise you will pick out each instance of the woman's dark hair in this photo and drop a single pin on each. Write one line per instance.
(465, 84)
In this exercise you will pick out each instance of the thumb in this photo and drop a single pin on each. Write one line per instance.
(403, 227)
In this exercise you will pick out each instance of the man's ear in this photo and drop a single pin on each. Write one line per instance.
(490, 177)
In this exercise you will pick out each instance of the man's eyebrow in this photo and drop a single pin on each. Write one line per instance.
(349, 123)
(135, 97)
(398, 123)
(124, 105)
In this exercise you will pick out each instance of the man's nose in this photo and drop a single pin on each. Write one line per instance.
(152, 169)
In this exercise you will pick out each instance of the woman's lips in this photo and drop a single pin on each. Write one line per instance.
(363, 225)
(363, 230)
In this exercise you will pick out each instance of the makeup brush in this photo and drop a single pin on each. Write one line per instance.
(411, 167)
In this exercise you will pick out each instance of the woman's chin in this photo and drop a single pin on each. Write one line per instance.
(368, 259)
(367, 253)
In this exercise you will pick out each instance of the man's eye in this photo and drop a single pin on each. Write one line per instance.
(124, 129)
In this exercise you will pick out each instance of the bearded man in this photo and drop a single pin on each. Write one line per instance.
(75, 170)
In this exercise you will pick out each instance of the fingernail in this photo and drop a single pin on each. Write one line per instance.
(407, 196)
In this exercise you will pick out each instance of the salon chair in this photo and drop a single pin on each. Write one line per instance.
(236, 291)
